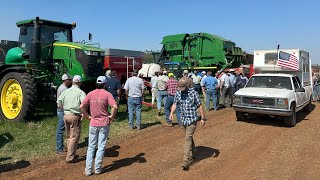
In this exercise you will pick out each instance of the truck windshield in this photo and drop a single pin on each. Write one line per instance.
(270, 82)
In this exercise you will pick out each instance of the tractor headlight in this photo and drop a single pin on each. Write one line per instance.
(237, 99)
(282, 103)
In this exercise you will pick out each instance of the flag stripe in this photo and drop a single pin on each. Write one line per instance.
(280, 62)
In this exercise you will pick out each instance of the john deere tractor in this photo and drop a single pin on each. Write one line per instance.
(31, 68)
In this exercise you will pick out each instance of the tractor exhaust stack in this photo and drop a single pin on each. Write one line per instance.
(35, 45)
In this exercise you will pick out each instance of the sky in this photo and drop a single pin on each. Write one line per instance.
(140, 25)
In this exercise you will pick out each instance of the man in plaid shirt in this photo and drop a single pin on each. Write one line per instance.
(189, 104)
(172, 87)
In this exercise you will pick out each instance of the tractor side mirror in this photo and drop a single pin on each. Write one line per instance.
(23, 30)
(90, 36)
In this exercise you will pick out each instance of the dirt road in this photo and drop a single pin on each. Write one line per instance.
(260, 148)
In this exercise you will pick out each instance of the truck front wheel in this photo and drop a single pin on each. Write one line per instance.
(240, 116)
(291, 120)
(18, 96)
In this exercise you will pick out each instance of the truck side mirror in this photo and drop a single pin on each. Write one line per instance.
(23, 30)
(90, 36)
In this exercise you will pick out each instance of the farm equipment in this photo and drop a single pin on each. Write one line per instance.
(199, 51)
(123, 61)
(31, 68)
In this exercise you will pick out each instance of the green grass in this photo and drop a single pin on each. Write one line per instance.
(36, 139)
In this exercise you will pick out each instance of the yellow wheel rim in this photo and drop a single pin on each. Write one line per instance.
(11, 99)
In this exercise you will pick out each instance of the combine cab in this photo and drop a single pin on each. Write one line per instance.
(31, 68)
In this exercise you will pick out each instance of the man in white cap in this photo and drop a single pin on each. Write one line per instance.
(108, 74)
(70, 101)
(67, 81)
(162, 90)
(98, 102)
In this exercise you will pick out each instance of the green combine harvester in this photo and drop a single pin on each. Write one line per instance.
(31, 68)
(200, 51)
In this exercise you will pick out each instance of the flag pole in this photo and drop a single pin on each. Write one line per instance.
(274, 64)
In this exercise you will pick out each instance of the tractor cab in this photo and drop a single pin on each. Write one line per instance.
(50, 43)
(50, 32)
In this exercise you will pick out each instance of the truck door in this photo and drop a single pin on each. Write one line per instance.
(300, 96)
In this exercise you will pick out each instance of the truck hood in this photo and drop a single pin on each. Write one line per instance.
(78, 46)
(264, 92)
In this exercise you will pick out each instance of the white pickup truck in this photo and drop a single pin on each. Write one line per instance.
(276, 90)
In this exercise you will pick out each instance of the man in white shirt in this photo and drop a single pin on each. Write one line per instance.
(204, 76)
(154, 89)
(225, 88)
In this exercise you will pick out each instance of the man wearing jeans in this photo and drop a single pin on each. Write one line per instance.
(98, 101)
(189, 103)
(211, 87)
(134, 90)
(162, 91)
(67, 81)
(171, 86)
(70, 101)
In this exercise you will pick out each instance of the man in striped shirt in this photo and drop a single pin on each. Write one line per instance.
(171, 86)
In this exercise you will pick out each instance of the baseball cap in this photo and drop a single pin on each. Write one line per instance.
(185, 72)
(231, 70)
(77, 78)
(65, 77)
(203, 72)
(165, 72)
(171, 74)
(101, 80)
(182, 84)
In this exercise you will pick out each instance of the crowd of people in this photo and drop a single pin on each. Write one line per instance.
(214, 87)
(176, 95)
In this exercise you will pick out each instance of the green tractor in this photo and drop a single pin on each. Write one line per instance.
(31, 68)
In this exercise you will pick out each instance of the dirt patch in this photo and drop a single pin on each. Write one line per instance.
(260, 148)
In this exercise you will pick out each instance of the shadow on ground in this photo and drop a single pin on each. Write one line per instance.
(202, 153)
(125, 162)
(276, 121)
(112, 152)
(12, 166)
(5, 138)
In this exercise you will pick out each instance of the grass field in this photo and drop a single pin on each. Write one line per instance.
(22, 141)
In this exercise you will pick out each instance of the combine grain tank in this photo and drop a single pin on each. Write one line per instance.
(200, 51)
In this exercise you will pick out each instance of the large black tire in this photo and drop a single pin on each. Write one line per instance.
(240, 116)
(291, 120)
(308, 107)
(29, 92)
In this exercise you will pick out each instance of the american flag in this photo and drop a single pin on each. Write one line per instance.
(288, 60)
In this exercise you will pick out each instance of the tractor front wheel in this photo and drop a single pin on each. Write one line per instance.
(18, 96)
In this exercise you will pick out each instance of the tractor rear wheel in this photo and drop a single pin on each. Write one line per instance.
(18, 96)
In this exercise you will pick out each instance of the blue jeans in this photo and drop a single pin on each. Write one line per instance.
(135, 106)
(167, 110)
(197, 88)
(315, 92)
(161, 95)
(97, 135)
(60, 131)
(211, 94)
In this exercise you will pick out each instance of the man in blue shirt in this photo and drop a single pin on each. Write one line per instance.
(211, 87)
(233, 89)
(113, 86)
(189, 103)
